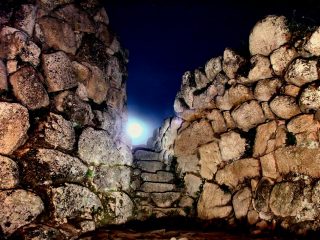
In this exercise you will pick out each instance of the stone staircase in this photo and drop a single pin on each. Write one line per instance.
(158, 189)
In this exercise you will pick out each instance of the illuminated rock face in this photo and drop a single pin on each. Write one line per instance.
(62, 115)
(248, 151)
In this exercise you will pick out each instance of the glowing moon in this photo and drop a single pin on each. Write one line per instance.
(135, 130)
(138, 130)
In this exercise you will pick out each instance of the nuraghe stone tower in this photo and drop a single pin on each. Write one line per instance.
(242, 148)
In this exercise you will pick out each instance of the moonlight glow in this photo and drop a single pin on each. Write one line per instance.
(138, 131)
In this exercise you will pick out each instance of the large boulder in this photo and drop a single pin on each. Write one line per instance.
(299, 160)
(73, 201)
(210, 158)
(97, 147)
(213, 202)
(196, 134)
(241, 202)
(310, 98)
(14, 124)
(9, 173)
(313, 44)
(232, 146)
(268, 35)
(236, 172)
(302, 71)
(28, 88)
(285, 107)
(18, 208)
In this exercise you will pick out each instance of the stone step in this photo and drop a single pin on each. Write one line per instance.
(146, 155)
(151, 187)
(160, 176)
(150, 166)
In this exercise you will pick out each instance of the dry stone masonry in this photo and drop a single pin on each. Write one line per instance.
(65, 163)
(244, 144)
(242, 148)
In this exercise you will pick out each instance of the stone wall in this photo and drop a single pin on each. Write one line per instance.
(244, 145)
(64, 160)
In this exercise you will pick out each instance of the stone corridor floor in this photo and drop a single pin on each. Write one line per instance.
(179, 235)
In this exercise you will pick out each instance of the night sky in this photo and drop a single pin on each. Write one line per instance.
(167, 38)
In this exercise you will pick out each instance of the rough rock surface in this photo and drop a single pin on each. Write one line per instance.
(268, 35)
(72, 201)
(232, 146)
(9, 173)
(19, 207)
(238, 171)
(14, 124)
(284, 107)
(213, 202)
(241, 202)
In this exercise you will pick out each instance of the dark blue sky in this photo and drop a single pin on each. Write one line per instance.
(167, 38)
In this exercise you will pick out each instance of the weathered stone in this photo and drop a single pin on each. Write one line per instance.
(58, 34)
(316, 193)
(160, 176)
(219, 82)
(248, 115)
(189, 139)
(12, 42)
(291, 90)
(232, 146)
(200, 79)
(281, 58)
(268, 166)
(25, 18)
(157, 187)
(118, 178)
(210, 158)
(313, 44)
(12, 66)
(303, 123)
(262, 195)
(268, 35)
(212, 202)
(267, 111)
(102, 16)
(97, 147)
(116, 99)
(49, 166)
(252, 217)
(104, 35)
(192, 185)
(109, 121)
(284, 107)
(146, 155)
(217, 121)
(265, 132)
(14, 124)
(261, 68)
(18, 208)
(213, 67)
(234, 96)
(205, 100)
(51, 4)
(300, 160)
(236, 172)
(3, 76)
(165, 200)
(150, 166)
(241, 202)
(59, 72)
(72, 201)
(301, 71)
(96, 84)
(115, 73)
(285, 199)
(78, 19)
(9, 173)
(231, 63)
(187, 164)
(120, 208)
(59, 132)
(310, 98)
(28, 88)
(31, 53)
(266, 88)
(229, 120)
(76, 110)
